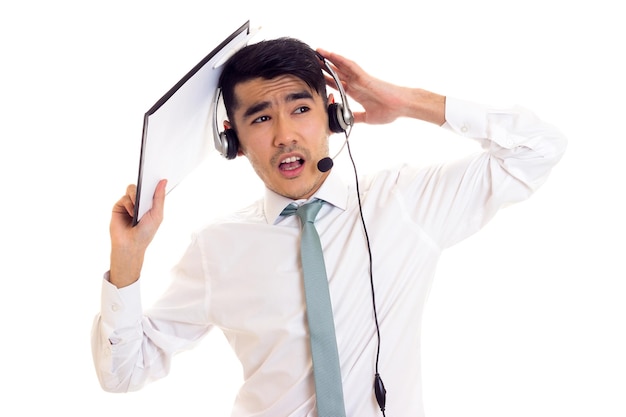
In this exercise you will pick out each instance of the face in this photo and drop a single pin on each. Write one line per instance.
(282, 126)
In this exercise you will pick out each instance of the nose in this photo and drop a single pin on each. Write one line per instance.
(284, 132)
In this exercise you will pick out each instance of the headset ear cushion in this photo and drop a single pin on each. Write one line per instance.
(335, 118)
(230, 144)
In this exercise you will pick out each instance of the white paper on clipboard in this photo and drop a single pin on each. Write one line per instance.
(178, 129)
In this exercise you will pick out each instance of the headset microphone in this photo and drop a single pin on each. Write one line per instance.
(325, 164)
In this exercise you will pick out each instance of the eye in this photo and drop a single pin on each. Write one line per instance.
(261, 119)
(302, 109)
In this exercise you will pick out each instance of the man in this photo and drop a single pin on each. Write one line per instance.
(243, 274)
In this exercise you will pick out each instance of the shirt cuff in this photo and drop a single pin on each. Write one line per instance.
(120, 307)
(480, 122)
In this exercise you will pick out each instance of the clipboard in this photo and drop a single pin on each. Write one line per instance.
(178, 128)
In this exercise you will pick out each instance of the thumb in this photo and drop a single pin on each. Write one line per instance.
(150, 222)
(360, 117)
(158, 201)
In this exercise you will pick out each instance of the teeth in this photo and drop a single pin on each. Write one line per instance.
(290, 159)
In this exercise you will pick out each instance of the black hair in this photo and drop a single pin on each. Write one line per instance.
(269, 59)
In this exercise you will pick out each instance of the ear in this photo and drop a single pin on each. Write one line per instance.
(331, 98)
(240, 151)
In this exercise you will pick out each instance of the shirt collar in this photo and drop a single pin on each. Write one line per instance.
(333, 191)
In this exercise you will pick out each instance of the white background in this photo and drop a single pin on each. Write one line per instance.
(527, 318)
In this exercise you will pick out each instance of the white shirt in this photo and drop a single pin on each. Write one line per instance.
(243, 275)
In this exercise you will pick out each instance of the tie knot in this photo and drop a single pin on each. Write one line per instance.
(307, 212)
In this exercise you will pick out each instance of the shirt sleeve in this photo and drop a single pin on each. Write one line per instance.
(453, 200)
(132, 346)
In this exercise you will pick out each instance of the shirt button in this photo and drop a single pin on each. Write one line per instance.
(116, 307)
(464, 129)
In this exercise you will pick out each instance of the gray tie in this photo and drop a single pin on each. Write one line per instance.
(328, 388)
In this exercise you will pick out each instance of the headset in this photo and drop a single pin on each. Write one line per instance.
(340, 118)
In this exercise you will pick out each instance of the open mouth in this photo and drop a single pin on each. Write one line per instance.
(291, 163)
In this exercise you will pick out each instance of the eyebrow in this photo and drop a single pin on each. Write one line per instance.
(260, 106)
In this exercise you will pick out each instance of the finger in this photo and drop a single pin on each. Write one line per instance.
(131, 192)
(330, 81)
(335, 59)
(331, 63)
(124, 206)
(322, 52)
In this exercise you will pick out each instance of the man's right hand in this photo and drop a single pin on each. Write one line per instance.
(128, 242)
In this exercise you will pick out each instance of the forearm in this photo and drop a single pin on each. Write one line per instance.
(125, 266)
(424, 105)
(385, 102)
